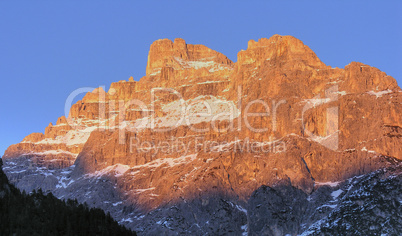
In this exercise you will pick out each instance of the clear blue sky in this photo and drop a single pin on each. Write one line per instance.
(50, 48)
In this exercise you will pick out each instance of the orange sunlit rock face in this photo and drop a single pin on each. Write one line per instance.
(276, 114)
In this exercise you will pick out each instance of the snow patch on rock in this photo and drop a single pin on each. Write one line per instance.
(380, 93)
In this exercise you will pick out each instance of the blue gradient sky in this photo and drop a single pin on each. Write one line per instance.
(48, 49)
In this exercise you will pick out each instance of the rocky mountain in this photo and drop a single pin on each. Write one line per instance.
(276, 143)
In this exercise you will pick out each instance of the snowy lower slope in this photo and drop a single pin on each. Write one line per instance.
(364, 205)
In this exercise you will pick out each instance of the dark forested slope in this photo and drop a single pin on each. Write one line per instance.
(39, 214)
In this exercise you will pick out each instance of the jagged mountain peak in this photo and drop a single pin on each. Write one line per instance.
(180, 55)
(281, 49)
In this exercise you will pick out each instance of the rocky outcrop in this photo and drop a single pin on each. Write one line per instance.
(178, 55)
(279, 49)
(199, 125)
